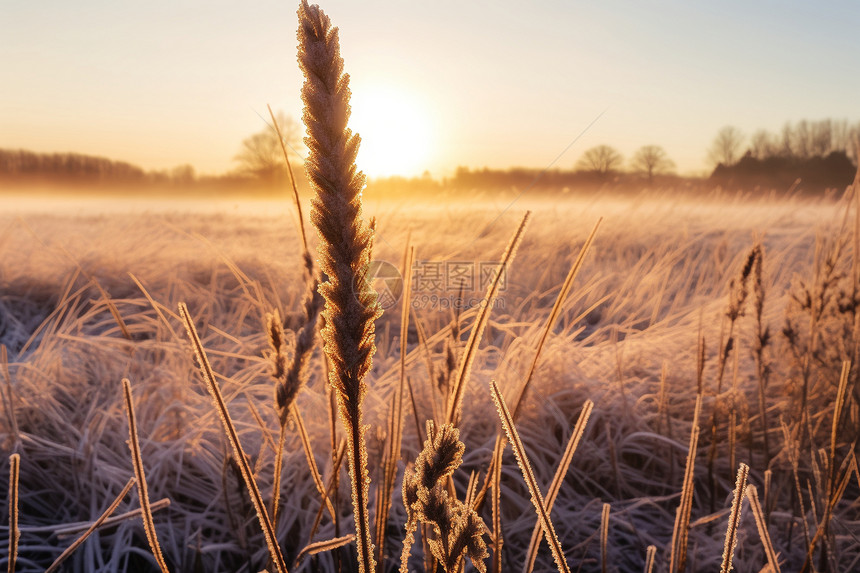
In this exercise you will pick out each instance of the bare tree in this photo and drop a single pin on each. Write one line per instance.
(651, 160)
(821, 137)
(261, 155)
(787, 140)
(841, 135)
(763, 145)
(601, 159)
(183, 174)
(854, 143)
(726, 146)
(802, 141)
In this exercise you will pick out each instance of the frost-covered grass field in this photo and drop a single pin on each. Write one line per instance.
(657, 279)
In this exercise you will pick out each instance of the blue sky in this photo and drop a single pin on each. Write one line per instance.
(498, 83)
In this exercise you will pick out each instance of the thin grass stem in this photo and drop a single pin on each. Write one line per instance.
(529, 477)
(96, 524)
(140, 476)
(233, 437)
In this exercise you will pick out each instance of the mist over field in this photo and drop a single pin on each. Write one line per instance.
(657, 275)
(577, 289)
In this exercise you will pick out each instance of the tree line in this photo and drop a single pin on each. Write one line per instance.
(814, 154)
(24, 165)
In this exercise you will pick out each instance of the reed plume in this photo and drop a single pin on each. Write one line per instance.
(457, 529)
(346, 241)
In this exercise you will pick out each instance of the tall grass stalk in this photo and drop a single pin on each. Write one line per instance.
(650, 558)
(346, 240)
(680, 533)
(529, 477)
(291, 375)
(498, 538)
(738, 293)
(233, 437)
(395, 422)
(9, 395)
(791, 447)
(14, 533)
(734, 518)
(307, 447)
(301, 221)
(761, 525)
(829, 498)
(140, 477)
(331, 490)
(455, 402)
(550, 322)
(604, 538)
(558, 480)
(762, 340)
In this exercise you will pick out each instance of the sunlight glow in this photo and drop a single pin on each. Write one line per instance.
(395, 130)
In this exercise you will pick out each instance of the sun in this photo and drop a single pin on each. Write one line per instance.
(395, 130)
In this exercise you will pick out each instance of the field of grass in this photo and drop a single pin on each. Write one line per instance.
(661, 274)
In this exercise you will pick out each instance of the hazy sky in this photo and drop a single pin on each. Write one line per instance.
(496, 84)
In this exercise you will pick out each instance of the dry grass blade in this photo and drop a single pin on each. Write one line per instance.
(829, 499)
(841, 397)
(14, 534)
(281, 140)
(114, 311)
(604, 538)
(650, 558)
(455, 403)
(76, 528)
(553, 315)
(155, 306)
(105, 295)
(529, 477)
(395, 422)
(791, 448)
(558, 479)
(233, 438)
(276, 476)
(140, 476)
(327, 545)
(497, 519)
(418, 431)
(761, 525)
(312, 464)
(678, 558)
(331, 488)
(850, 469)
(734, 518)
(9, 395)
(96, 524)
